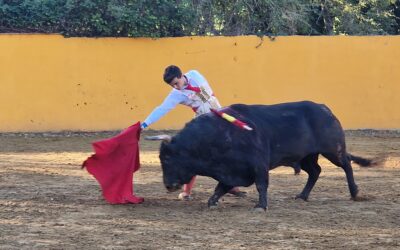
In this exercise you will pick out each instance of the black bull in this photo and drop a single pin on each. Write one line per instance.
(288, 134)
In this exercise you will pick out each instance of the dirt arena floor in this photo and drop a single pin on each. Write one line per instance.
(48, 202)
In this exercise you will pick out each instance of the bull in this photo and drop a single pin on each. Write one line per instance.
(287, 134)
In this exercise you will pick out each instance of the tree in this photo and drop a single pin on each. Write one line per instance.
(163, 18)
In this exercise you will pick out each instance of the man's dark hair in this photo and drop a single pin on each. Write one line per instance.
(171, 72)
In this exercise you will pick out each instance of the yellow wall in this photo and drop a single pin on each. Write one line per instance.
(51, 83)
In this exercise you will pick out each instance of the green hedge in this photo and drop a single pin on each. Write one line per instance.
(174, 18)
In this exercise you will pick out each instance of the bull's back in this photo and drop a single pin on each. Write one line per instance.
(294, 130)
(286, 116)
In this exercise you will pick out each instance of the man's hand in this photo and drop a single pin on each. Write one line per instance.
(143, 126)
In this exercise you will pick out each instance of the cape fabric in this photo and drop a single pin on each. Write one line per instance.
(113, 164)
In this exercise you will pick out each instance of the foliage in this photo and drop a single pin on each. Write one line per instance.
(172, 18)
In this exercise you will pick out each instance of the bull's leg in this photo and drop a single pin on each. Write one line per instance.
(350, 179)
(220, 190)
(342, 161)
(262, 186)
(310, 165)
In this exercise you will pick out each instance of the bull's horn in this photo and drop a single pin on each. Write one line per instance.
(166, 138)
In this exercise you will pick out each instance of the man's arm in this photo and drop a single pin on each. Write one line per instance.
(168, 104)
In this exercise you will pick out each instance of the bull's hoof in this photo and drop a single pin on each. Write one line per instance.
(259, 210)
(213, 207)
(301, 196)
(360, 198)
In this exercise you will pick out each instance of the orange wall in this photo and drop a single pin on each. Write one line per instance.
(51, 83)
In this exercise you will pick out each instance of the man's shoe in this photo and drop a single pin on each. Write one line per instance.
(185, 197)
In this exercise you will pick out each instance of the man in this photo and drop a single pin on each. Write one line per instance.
(192, 90)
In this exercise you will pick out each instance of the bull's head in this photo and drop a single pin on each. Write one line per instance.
(176, 171)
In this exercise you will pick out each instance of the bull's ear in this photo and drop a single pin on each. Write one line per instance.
(167, 139)
(165, 147)
(164, 143)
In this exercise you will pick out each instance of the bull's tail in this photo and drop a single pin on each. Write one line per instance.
(363, 162)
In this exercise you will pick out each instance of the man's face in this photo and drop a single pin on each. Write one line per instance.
(178, 83)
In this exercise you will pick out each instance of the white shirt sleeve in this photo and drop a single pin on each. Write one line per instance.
(198, 78)
(174, 98)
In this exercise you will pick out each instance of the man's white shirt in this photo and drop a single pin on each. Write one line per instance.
(200, 102)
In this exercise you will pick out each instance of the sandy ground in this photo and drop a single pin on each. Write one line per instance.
(48, 202)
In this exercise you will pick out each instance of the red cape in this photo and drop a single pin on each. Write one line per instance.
(113, 164)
